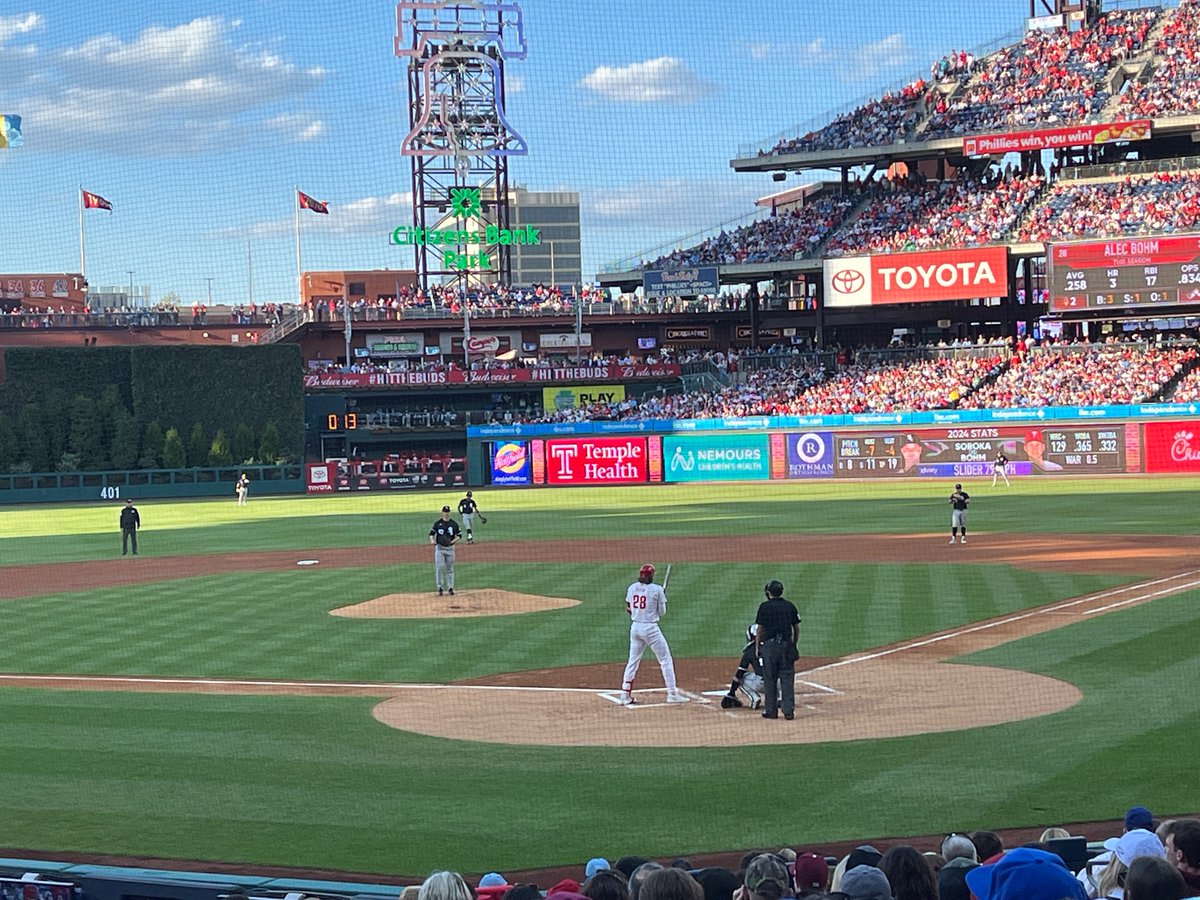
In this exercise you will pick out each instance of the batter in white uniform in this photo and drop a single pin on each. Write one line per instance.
(647, 603)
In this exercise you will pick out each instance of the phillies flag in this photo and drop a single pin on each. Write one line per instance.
(307, 202)
(95, 201)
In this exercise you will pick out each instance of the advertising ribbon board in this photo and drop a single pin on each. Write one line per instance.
(716, 457)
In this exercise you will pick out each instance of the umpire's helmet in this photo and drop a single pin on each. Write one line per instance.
(773, 589)
(646, 574)
(751, 632)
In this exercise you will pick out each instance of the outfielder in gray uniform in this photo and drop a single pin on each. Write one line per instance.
(444, 534)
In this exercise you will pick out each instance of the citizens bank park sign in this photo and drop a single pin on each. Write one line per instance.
(916, 277)
(548, 374)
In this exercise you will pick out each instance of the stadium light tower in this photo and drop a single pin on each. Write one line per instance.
(459, 139)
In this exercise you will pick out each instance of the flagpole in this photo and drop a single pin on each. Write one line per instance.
(82, 243)
(249, 272)
(299, 276)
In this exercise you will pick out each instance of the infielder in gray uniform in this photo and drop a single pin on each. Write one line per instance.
(444, 534)
(958, 516)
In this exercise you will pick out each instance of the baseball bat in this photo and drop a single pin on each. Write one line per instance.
(667, 577)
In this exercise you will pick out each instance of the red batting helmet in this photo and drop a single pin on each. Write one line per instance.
(646, 573)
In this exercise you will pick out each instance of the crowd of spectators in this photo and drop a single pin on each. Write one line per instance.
(787, 235)
(1102, 374)
(807, 388)
(1147, 861)
(913, 214)
(1163, 203)
(1174, 86)
(1048, 77)
(887, 120)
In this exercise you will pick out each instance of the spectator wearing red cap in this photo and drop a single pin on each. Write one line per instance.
(811, 874)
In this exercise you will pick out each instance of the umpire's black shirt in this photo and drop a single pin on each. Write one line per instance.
(775, 619)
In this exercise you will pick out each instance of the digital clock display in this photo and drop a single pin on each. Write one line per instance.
(1129, 273)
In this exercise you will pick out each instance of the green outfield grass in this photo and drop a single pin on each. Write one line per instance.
(316, 782)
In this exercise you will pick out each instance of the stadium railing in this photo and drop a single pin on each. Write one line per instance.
(891, 355)
(1136, 167)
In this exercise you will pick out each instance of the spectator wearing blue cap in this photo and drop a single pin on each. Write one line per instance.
(1025, 874)
(594, 865)
(1089, 875)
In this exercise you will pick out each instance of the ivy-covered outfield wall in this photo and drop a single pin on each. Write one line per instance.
(66, 409)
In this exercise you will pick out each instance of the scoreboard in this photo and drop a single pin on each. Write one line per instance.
(1134, 274)
(966, 452)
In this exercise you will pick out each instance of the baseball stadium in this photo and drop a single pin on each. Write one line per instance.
(492, 452)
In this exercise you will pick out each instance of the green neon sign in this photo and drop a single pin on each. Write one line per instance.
(466, 204)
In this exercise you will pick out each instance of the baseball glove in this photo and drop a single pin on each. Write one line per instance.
(483, 518)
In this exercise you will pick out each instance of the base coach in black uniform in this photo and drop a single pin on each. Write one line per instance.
(131, 521)
(776, 646)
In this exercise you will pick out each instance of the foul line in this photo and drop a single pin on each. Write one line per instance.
(391, 687)
(1017, 617)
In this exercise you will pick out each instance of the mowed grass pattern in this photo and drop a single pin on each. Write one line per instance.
(316, 782)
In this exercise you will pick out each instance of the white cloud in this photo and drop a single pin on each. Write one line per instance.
(860, 63)
(366, 215)
(666, 79)
(175, 90)
(891, 53)
(298, 127)
(21, 24)
(514, 84)
(682, 204)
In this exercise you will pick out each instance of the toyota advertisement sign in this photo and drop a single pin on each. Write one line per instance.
(916, 277)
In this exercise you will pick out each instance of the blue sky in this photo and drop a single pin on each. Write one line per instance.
(196, 119)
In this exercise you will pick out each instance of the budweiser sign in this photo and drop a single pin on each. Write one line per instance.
(916, 277)
(1172, 446)
(1053, 138)
(596, 461)
(546, 375)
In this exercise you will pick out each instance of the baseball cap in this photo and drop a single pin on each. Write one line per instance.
(595, 865)
(1139, 817)
(866, 883)
(1025, 874)
(812, 872)
(492, 879)
(1133, 844)
(865, 855)
(445, 509)
(566, 886)
(767, 875)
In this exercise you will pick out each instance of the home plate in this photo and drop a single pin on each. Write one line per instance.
(307, 562)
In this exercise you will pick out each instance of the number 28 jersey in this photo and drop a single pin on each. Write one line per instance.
(646, 602)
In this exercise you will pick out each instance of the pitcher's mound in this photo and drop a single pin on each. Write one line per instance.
(466, 602)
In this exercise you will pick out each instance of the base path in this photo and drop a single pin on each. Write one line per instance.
(1099, 554)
